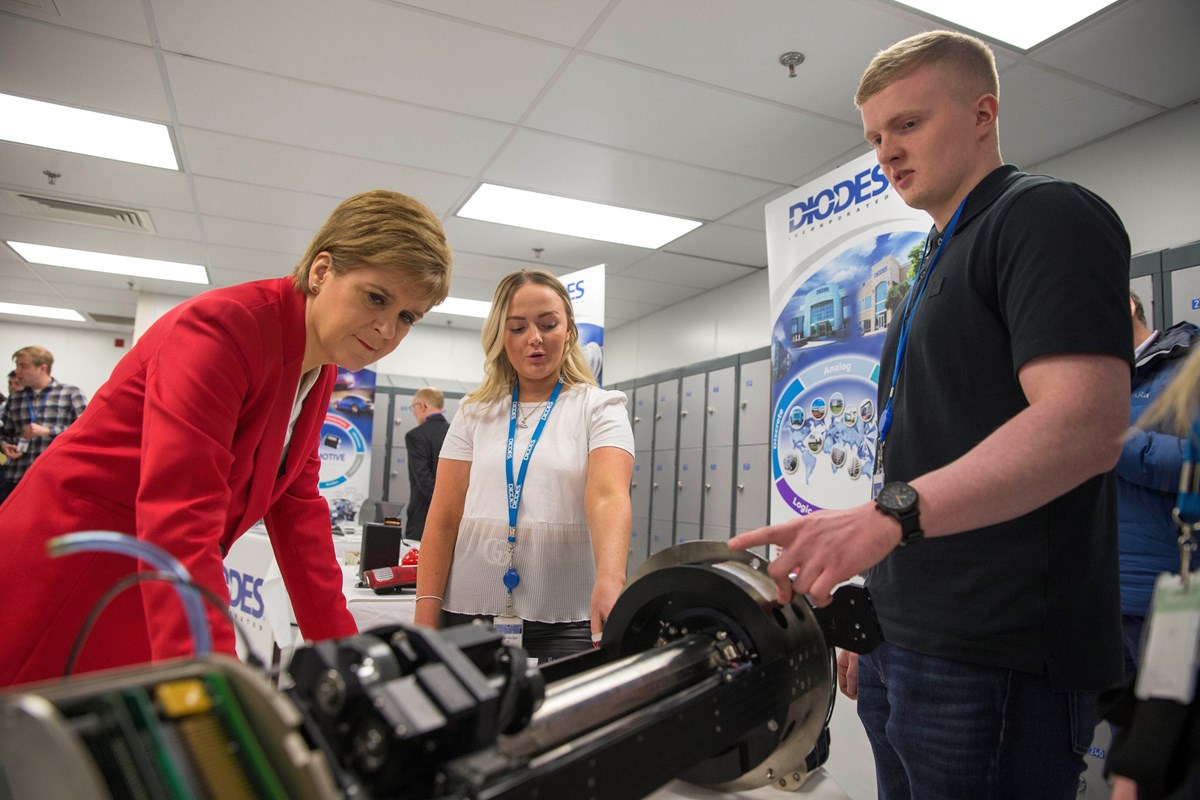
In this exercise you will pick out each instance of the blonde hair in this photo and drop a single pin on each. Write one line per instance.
(970, 59)
(431, 396)
(38, 356)
(1179, 404)
(498, 372)
(387, 230)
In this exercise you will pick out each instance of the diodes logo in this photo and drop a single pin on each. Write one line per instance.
(244, 593)
(837, 198)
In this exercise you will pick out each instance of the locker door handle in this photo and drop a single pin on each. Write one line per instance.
(637, 419)
(741, 487)
(681, 486)
(711, 410)
(632, 485)
(744, 404)
(654, 485)
(683, 413)
(658, 416)
(395, 474)
(708, 487)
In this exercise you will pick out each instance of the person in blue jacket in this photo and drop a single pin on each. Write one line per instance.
(1148, 477)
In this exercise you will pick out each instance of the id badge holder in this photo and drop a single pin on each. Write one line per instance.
(877, 474)
(510, 628)
(1171, 654)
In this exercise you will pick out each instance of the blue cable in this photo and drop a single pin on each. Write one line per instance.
(155, 556)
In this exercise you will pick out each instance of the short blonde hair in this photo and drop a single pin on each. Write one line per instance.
(970, 59)
(499, 376)
(39, 356)
(431, 396)
(388, 230)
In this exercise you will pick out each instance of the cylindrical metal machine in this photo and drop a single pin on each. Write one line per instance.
(701, 674)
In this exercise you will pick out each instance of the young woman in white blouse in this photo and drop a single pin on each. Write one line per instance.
(530, 519)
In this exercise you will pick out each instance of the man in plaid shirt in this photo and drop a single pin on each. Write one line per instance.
(35, 415)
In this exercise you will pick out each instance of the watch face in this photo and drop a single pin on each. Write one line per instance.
(897, 496)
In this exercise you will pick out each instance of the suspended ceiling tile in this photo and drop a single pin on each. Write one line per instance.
(585, 171)
(420, 58)
(1051, 114)
(1101, 52)
(623, 106)
(728, 44)
(221, 155)
(700, 273)
(63, 66)
(724, 243)
(258, 106)
(118, 19)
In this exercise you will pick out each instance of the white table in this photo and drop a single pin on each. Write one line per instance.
(372, 610)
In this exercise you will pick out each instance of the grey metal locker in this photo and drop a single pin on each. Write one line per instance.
(639, 544)
(718, 492)
(662, 535)
(686, 533)
(689, 487)
(640, 485)
(751, 476)
(1185, 295)
(692, 405)
(722, 392)
(379, 449)
(754, 403)
(643, 418)
(402, 422)
(662, 502)
(666, 414)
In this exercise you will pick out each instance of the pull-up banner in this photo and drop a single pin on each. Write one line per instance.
(841, 252)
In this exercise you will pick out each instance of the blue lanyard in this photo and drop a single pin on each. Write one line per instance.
(511, 578)
(34, 416)
(910, 312)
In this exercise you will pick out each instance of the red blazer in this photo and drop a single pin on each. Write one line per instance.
(182, 447)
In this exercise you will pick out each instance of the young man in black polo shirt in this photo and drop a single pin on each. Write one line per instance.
(1006, 384)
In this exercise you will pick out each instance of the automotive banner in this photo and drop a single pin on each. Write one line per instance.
(586, 290)
(346, 445)
(841, 252)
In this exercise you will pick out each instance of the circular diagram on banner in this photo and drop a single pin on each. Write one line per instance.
(342, 451)
(824, 435)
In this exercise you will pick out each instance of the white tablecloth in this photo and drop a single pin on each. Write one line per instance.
(372, 610)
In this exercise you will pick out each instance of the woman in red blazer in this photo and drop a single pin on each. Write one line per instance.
(210, 423)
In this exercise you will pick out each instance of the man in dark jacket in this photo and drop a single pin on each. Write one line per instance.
(1148, 478)
(424, 444)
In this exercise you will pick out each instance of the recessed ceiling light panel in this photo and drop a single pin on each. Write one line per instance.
(107, 262)
(1021, 23)
(88, 133)
(44, 312)
(546, 212)
(463, 307)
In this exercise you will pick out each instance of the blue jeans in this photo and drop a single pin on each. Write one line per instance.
(945, 730)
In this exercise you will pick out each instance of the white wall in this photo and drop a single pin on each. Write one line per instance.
(433, 350)
(1150, 174)
(81, 358)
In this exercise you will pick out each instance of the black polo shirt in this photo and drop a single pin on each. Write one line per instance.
(1035, 267)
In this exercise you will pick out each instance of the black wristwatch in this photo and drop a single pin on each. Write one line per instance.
(898, 499)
